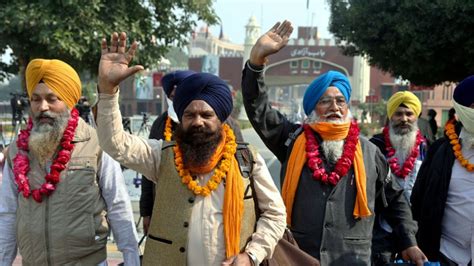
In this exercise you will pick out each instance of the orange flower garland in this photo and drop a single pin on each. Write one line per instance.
(454, 140)
(168, 132)
(219, 173)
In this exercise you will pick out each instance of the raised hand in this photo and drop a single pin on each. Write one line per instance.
(271, 42)
(113, 65)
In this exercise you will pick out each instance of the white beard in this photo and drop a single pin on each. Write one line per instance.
(45, 138)
(332, 149)
(403, 144)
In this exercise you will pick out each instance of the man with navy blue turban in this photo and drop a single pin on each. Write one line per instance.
(204, 211)
(330, 176)
(443, 195)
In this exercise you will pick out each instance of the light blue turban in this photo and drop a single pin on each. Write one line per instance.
(319, 86)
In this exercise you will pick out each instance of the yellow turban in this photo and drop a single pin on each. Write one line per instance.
(403, 97)
(60, 77)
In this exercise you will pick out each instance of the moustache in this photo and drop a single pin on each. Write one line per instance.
(338, 114)
(45, 115)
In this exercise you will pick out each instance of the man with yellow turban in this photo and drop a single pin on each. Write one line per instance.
(60, 191)
(404, 147)
(204, 209)
(330, 175)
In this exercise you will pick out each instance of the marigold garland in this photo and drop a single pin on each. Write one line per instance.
(219, 173)
(454, 140)
(168, 129)
(315, 163)
(409, 163)
(21, 162)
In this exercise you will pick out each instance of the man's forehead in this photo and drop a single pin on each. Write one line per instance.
(403, 108)
(198, 105)
(332, 91)
(43, 90)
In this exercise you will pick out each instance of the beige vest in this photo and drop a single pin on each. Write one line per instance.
(69, 227)
(171, 212)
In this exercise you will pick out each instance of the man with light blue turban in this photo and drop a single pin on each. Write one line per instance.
(330, 176)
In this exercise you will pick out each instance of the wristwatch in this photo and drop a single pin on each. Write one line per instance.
(253, 258)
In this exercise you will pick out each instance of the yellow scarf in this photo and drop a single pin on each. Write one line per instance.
(233, 208)
(328, 131)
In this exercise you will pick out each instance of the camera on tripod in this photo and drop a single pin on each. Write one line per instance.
(19, 103)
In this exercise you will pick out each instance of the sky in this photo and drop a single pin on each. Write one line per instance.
(235, 14)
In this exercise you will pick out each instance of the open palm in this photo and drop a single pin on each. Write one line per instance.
(113, 65)
(271, 42)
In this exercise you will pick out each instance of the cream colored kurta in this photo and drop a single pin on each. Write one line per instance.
(206, 245)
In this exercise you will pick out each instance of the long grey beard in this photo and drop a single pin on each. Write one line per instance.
(332, 149)
(403, 144)
(45, 139)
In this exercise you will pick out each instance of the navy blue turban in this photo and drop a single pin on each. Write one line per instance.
(464, 92)
(207, 87)
(171, 79)
(319, 86)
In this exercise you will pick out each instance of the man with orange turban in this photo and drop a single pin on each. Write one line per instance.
(330, 175)
(404, 147)
(60, 191)
(204, 210)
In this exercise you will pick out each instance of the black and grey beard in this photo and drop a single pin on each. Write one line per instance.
(197, 144)
(402, 142)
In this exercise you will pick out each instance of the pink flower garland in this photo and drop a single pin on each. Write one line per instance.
(315, 163)
(21, 163)
(409, 163)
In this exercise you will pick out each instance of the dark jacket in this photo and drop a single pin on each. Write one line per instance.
(429, 195)
(322, 219)
(147, 196)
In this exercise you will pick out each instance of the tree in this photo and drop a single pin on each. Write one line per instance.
(425, 41)
(71, 30)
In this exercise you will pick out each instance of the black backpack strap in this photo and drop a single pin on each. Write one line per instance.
(245, 156)
(292, 136)
(245, 159)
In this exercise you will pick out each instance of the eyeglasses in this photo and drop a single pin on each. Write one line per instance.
(328, 101)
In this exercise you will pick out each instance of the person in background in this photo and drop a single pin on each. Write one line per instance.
(166, 122)
(404, 148)
(60, 192)
(432, 120)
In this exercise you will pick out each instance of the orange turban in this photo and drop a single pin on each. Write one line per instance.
(60, 77)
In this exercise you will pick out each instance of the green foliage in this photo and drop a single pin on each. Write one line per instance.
(72, 30)
(424, 41)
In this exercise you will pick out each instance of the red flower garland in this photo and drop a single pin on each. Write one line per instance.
(409, 163)
(21, 163)
(315, 163)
